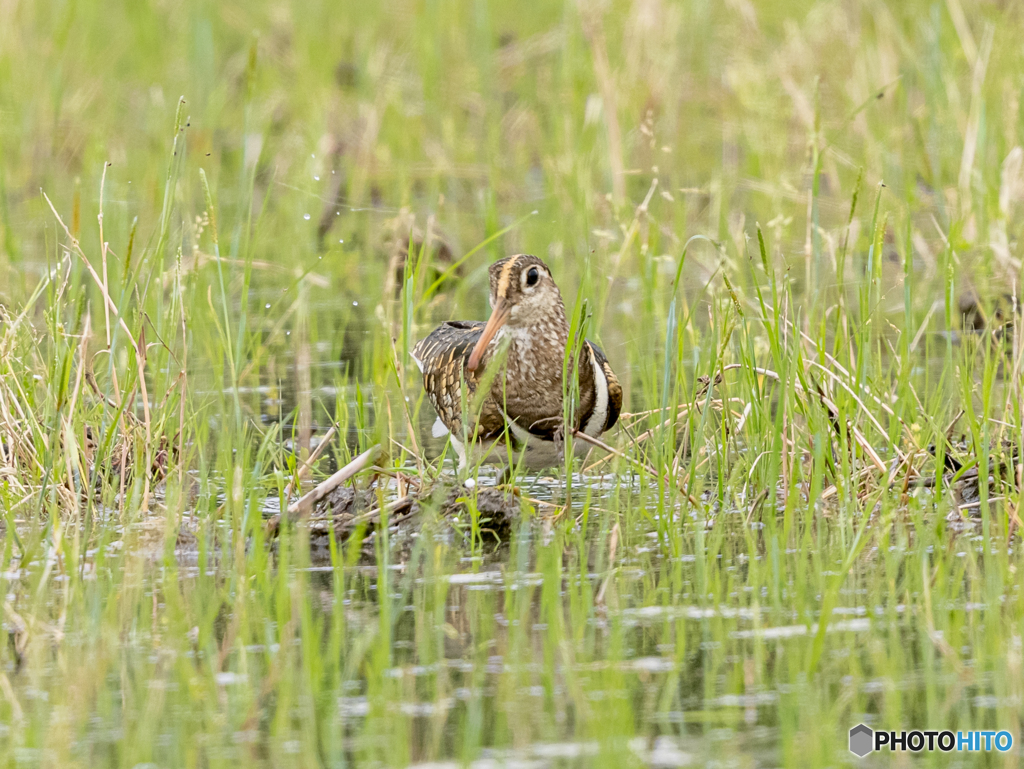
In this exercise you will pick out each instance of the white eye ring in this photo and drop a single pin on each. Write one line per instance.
(531, 277)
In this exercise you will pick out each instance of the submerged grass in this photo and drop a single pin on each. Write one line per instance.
(776, 214)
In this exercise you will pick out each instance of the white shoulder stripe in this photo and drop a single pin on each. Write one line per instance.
(599, 416)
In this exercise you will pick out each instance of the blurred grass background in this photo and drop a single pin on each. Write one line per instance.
(475, 114)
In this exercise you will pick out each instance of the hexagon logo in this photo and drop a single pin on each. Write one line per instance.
(861, 740)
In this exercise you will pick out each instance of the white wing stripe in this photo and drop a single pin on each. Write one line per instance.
(417, 361)
(599, 416)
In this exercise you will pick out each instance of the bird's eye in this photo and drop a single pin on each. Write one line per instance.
(532, 277)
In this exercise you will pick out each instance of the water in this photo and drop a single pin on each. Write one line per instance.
(539, 651)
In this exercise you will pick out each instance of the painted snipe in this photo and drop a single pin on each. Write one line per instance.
(526, 391)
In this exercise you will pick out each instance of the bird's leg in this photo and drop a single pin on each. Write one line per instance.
(558, 438)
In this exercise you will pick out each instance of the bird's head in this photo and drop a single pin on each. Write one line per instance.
(523, 295)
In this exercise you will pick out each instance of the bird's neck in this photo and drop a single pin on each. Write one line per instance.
(536, 353)
(546, 337)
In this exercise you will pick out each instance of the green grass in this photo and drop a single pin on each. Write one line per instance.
(771, 211)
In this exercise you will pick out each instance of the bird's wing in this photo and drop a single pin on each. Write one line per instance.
(614, 404)
(442, 358)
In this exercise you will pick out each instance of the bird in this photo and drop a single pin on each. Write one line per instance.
(519, 418)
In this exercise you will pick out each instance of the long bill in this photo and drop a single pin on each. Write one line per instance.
(499, 316)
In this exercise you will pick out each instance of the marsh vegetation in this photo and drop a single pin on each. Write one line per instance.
(792, 226)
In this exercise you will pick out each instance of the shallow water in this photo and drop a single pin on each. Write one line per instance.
(536, 652)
